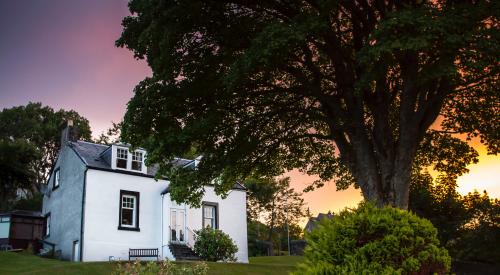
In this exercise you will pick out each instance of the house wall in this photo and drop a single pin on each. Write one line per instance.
(102, 238)
(232, 218)
(65, 203)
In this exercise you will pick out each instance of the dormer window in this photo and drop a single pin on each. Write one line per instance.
(121, 158)
(126, 159)
(137, 161)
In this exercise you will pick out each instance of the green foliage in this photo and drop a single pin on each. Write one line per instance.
(342, 90)
(441, 204)
(278, 205)
(214, 245)
(371, 240)
(258, 238)
(40, 127)
(160, 268)
(479, 237)
(112, 134)
(468, 226)
(256, 232)
(16, 156)
(33, 203)
(274, 201)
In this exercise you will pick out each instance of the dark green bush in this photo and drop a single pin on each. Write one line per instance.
(214, 245)
(371, 240)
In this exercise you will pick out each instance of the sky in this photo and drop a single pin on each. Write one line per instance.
(62, 53)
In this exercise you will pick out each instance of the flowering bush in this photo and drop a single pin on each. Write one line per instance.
(160, 268)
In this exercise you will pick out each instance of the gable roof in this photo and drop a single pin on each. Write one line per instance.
(313, 222)
(98, 156)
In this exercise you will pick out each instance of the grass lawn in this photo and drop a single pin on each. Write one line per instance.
(15, 263)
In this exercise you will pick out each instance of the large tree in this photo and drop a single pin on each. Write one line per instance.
(15, 158)
(40, 126)
(345, 90)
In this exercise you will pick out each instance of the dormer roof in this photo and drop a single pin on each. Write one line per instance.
(98, 156)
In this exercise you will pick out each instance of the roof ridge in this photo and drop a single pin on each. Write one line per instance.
(93, 143)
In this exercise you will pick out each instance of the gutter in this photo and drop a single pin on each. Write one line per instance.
(162, 195)
(83, 213)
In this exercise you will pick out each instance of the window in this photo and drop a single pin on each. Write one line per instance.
(56, 178)
(210, 215)
(137, 161)
(4, 227)
(47, 225)
(121, 158)
(129, 210)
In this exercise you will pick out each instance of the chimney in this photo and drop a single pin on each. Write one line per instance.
(69, 133)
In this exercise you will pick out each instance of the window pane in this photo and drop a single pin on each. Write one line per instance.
(56, 178)
(121, 153)
(136, 165)
(208, 211)
(207, 222)
(127, 217)
(137, 156)
(121, 163)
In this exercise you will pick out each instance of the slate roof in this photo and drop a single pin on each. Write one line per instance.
(24, 213)
(313, 222)
(98, 156)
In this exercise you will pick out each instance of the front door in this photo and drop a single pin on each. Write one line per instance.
(177, 225)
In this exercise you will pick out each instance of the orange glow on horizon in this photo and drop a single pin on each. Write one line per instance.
(485, 175)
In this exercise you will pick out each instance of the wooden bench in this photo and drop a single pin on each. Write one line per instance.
(143, 253)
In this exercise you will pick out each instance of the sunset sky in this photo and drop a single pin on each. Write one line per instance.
(62, 53)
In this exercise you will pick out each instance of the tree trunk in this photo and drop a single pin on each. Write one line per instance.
(386, 180)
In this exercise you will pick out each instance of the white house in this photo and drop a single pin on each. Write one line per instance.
(102, 201)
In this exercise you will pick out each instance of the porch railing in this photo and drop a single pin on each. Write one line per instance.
(191, 237)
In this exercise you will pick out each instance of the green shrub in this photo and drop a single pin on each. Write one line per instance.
(371, 240)
(160, 268)
(214, 245)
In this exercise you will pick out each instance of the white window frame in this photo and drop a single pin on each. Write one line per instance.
(57, 178)
(213, 215)
(134, 209)
(126, 158)
(130, 157)
(135, 158)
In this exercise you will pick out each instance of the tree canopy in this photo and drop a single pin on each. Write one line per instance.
(345, 90)
(15, 158)
(31, 136)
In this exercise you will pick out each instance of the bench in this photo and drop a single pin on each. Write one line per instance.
(143, 253)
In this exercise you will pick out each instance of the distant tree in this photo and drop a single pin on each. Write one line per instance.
(16, 158)
(479, 237)
(467, 225)
(274, 202)
(345, 90)
(437, 199)
(112, 134)
(40, 126)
